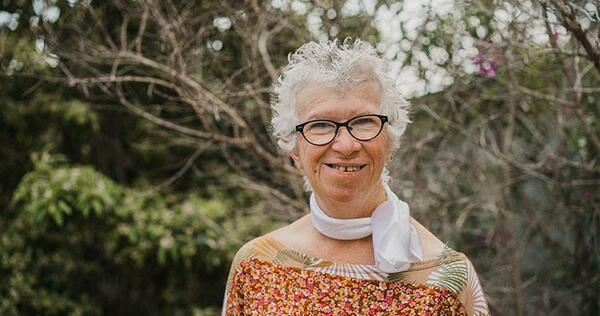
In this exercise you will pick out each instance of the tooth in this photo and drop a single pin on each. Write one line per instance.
(346, 169)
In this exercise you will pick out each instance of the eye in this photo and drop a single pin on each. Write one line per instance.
(320, 125)
(364, 121)
(320, 128)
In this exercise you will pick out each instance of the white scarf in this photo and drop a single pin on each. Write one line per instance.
(395, 241)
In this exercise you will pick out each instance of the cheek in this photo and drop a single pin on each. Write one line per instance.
(311, 160)
(307, 160)
(387, 148)
(380, 155)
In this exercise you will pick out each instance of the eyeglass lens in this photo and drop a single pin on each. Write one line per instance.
(362, 128)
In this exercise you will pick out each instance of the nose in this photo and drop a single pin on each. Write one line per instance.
(344, 143)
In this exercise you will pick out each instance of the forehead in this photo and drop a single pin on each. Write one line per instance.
(318, 100)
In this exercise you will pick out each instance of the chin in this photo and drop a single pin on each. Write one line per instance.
(340, 193)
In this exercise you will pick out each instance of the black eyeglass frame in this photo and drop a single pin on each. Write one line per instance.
(338, 125)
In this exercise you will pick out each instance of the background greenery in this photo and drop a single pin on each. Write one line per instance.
(136, 156)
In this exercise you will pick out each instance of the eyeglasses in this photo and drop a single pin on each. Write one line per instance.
(323, 132)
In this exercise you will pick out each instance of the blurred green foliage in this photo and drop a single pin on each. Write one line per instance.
(76, 242)
(81, 230)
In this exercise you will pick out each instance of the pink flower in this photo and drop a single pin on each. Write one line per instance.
(487, 65)
(488, 68)
(487, 60)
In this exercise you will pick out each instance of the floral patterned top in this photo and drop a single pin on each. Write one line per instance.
(266, 278)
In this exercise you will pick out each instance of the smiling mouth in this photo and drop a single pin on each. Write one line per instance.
(345, 169)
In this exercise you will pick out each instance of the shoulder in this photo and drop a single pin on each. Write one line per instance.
(431, 246)
(472, 294)
(263, 247)
(266, 247)
(288, 235)
(455, 272)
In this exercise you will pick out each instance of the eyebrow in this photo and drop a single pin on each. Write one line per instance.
(327, 116)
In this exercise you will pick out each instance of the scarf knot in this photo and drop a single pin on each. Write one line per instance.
(395, 241)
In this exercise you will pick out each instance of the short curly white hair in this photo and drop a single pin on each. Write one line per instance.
(340, 65)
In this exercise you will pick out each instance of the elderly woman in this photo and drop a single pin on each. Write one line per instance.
(358, 252)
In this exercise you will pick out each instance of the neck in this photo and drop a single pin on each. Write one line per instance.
(359, 206)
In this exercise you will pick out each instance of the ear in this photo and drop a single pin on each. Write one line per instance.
(295, 158)
(389, 152)
(389, 159)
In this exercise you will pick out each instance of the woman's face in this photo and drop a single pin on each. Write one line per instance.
(321, 164)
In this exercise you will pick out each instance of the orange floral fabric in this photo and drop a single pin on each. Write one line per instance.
(261, 288)
(267, 278)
